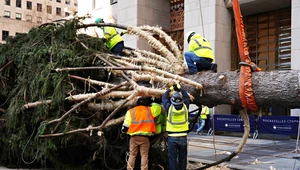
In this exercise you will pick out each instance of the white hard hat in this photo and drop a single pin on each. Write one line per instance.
(188, 35)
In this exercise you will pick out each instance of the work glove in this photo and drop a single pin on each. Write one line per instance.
(176, 87)
(124, 129)
(124, 32)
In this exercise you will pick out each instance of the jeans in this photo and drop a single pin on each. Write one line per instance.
(117, 49)
(201, 125)
(202, 63)
(177, 152)
(142, 144)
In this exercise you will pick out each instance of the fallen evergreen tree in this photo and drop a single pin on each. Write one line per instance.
(63, 95)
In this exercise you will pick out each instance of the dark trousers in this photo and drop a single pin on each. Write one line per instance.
(177, 152)
(117, 49)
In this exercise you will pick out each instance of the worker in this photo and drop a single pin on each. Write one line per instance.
(114, 41)
(177, 126)
(199, 52)
(202, 119)
(139, 125)
(160, 118)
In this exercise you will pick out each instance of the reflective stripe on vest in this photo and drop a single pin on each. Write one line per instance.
(112, 36)
(170, 115)
(142, 121)
(200, 46)
(134, 121)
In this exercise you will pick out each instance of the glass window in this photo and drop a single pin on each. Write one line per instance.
(5, 34)
(269, 40)
(7, 14)
(58, 1)
(18, 16)
(39, 7)
(28, 18)
(58, 11)
(18, 3)
(68, 2)
(39, 20)
(29, 5)
(7, 2)
(49, 9)
(67, 14)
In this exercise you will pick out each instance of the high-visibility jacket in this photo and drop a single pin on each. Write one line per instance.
(159, 117)
(140, 121)
(156, 111)
(177, 121)
(201, 47)
(204, 112)
(112, 37)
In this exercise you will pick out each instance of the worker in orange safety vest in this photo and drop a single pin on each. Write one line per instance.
(139, 124)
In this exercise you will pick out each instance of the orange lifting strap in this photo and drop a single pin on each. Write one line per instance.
(245, 86)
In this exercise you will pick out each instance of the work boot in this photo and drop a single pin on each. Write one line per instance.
(214, 67)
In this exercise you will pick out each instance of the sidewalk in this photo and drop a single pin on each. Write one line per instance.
(257, 154)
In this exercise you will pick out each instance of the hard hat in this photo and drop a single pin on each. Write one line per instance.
(177, 99)
(189, 35)
(98, 20)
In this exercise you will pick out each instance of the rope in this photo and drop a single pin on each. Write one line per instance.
(245, 84)
(297, 144)
(201, 16)
(22, 155)
(104, 159)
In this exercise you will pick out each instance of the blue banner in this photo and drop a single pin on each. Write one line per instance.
(284, 125)
(233, 123)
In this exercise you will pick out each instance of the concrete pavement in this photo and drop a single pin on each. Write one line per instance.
(258, 154)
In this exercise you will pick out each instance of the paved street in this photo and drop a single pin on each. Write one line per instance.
(258, 154)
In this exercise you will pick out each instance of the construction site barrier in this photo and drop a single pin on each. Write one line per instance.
(232, 123)
(283, 125)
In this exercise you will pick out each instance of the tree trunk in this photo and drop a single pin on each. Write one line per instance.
(274, 88)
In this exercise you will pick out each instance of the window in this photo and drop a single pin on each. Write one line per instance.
(39, 20)
(49, 9)
(67, 2)
(18, 16)
(6, 14)
(7, 2)
(113, 2)
(28, 18)
(58, 11)
(39, 7)
(269, 40)
(19, 3)
(5, 34)
(58, 1)
(67, 14)
(75, 4)
(29, 5)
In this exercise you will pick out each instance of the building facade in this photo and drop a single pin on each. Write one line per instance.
(19, 16)
(271, 27)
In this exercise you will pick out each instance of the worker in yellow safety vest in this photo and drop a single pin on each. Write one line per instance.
(139, 124)
(177, 126)
(114, 41)
(199, 52)
(202, 119)
(160, 117)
